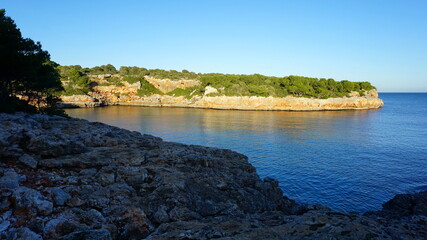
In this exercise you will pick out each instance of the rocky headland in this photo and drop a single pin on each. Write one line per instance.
(127, 94)
(65, 178)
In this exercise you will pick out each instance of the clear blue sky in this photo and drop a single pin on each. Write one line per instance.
(381, 41)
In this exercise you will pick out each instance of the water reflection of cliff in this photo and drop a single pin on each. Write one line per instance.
(172, 123)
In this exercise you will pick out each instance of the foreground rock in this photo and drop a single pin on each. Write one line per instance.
(72, 179)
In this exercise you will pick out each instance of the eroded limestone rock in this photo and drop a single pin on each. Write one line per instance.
(127, 94)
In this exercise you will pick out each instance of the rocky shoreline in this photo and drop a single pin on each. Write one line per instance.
(127, 94)
(65, 178)
(229, 103)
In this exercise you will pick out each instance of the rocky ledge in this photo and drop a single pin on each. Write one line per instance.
(128, 95)
(63, 178)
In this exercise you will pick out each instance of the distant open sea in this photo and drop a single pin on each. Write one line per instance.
(350, 161)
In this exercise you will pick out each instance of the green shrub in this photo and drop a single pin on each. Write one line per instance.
(75, 80)
(187, 92)
(157, 73)
(259, 85)
(132, 79)
(147, 89)
(116, 81)
(103, 69)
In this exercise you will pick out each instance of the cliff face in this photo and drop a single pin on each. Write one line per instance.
(287, 103)
(167, 85)
(64, 178)
(128, 95)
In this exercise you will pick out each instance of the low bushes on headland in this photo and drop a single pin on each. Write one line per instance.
(227, 84)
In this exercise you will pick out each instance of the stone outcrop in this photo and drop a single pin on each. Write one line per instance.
(289, 103)
(257, 103)
(127, 94)
(167, 85)
(210, 90)
(79, 101)
(63, 178)
(404, 205)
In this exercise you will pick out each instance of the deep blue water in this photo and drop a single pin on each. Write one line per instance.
(347, 160)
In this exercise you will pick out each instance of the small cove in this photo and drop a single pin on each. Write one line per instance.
(346, 160)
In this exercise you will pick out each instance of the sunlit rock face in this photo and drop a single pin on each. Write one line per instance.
(127, 95)
(167, 85)
(124, 93)
(120, 92)
(289, 103)
(79, 101)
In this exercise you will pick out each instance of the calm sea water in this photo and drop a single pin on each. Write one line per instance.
(347, 160)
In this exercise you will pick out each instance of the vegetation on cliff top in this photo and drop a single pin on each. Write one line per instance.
(259, 85)
(147, 88)
(29, 80)
(227, 84)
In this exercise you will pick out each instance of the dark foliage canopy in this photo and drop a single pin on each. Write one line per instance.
(28, 78)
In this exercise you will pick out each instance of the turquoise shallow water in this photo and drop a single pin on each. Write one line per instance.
(347, 160)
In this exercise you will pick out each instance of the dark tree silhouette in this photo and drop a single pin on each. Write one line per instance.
(28, 78)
